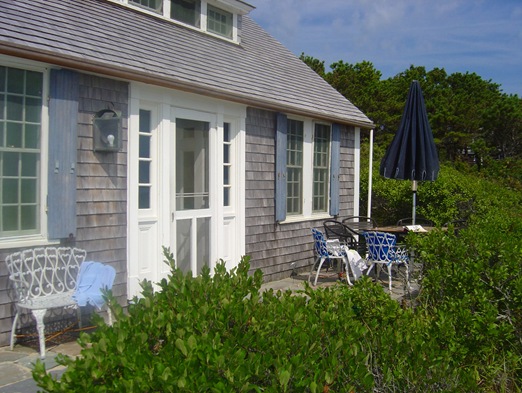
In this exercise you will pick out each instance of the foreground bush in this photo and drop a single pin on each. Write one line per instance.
(472, 287)
(220, 334)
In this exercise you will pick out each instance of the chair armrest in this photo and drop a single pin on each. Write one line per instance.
(21, 288)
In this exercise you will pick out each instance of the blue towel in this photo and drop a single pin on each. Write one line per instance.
(92, 278)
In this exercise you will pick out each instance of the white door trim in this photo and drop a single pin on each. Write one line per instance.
(149, 230)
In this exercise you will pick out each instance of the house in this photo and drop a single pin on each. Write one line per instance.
(226, 144)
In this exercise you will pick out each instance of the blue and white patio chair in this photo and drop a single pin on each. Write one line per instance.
(383, 250)
(327, 251)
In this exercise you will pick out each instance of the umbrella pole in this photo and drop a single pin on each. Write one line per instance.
(414, 189)
(412, 253)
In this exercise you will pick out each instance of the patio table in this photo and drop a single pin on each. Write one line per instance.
(398, 230)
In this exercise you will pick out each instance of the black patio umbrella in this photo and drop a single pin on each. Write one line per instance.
(412, 154)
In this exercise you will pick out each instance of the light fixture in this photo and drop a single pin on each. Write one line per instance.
(110, 139)
(107, 131)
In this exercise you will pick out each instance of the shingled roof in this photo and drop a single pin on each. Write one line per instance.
(109, 38)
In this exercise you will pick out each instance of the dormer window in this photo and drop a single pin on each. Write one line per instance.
(217, 17)
(153, 5)
(186, 11)
(219, 21)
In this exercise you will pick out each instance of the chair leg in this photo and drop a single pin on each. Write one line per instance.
(79, 316)
(390, 277)
(13, 328)
(312, 270)
(318, 270)
(40, 327)
(408, 276)
(109, 315)
(348, 268)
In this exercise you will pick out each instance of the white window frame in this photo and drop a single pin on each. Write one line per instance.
(153, 160)
(328, 166)
(41, 237)
(234, 18)
(289, 178)
(308, 172)
(165, 14)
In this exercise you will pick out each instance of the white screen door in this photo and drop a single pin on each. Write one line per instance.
(193, 196)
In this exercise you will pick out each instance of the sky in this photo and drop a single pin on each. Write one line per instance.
(481, 36)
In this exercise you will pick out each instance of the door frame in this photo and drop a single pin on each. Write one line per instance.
(226, 221)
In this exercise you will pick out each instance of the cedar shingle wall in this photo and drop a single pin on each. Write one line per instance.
(273, 247)
(102, 181)
(346, 172)
(101, 195)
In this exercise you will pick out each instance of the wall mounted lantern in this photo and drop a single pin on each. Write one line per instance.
(106, 126)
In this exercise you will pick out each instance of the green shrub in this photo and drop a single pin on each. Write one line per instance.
(217, 334)
(221, 334)
(472, 287)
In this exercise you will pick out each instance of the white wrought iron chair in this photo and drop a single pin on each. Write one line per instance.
(327, 251)
(383, 250)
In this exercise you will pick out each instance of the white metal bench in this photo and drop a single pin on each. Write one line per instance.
(44, 278)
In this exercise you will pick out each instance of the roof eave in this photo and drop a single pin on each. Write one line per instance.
(162, 81)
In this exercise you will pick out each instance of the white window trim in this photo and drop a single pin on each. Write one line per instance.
(152, 211)
(329, 166)
(308, 175)
(203, 21)
(41, 238)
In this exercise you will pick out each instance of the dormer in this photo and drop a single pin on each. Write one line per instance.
(220, 18)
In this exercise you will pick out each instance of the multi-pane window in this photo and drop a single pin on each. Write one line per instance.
(227, 165)
(145, 160)
(154, 5)
(196, 13)
(20, 130)
(186, 11)
(294, 167)
(219, 21)
(321, 167)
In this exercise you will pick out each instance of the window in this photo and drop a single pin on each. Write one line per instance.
(219, 21)
(154, 5)
(294, 165)
(145, 160)
(186, 11)
(227, 165)
(220, 18)
(20, 130)
(321, 167)
(307, 168)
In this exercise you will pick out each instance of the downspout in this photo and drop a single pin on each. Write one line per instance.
(370, 184)
(356, 171)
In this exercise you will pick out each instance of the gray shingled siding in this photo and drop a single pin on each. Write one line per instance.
(101, 195)
(6, 307)
(273, 247)
(102, 181)
(346, 172)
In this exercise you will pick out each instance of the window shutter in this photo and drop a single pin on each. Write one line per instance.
(63, 123)
(280, 175)
(334, 170)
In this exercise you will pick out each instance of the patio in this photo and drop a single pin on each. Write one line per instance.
(297, 282)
